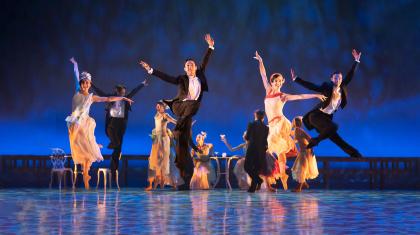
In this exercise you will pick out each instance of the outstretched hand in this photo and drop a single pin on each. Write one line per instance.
(258, 57)
(209, 40)
(356, 55)
(130, 101)
(223, 138)
(292, 74)
(321, 97)
(145, 65)
(73, 60)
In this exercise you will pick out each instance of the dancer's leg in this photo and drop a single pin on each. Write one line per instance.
(86, 177)
(347, 148)
(323, 124)
(183, 159)
(284, 177)
(150, 187)
(251, 170)
(115, 132)
(298, 188)
(269, 187)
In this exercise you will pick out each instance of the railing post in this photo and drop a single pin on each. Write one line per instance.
(381, 175)
(371, 174)
(125, 164)
(326, 166)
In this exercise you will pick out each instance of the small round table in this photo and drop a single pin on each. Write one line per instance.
(227, 161)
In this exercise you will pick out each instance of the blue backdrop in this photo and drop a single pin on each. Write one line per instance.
(107, 39)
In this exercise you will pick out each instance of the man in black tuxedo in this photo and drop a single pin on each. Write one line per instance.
(321, 116)
(185, 105)
(116, 120)
(255, 158)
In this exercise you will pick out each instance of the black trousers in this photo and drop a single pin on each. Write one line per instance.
(115, 131)
(328, 129)
(253, 169)
(184, 111)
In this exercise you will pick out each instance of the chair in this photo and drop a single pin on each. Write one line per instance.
(58, 160)
(75, 173)
(107, 173)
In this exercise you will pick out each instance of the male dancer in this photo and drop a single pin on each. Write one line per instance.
(321, 116)
(185, 105)
(116, 120)
(255, 158)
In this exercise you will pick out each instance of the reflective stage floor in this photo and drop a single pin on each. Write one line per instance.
(134, 211)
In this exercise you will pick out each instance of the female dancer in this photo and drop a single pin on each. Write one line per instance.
(84, 149)
(161, 147)
(279, 139)
(244, 181)
(204, 174)
(305, 166)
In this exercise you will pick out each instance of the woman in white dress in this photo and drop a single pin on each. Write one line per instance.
(204, 174)
(279, 139)
(244, 181)
(159, 167)
(81, 126)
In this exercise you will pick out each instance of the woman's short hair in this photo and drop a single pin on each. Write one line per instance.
(275, 76)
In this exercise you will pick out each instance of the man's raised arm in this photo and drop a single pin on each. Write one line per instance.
(209, 50)
(349, 76)
(306, 84)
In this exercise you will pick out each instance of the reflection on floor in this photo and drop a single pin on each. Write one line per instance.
(131, 211)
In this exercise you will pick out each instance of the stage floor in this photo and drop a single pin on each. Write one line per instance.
(133, 211)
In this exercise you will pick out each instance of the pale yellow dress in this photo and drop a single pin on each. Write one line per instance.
(159, 156)
(204, 174)
(82, 131)
(279, 139)
(305, 166)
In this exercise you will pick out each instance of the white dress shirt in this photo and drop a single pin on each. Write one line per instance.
(334, 103)
(118, 109)
(194, 89)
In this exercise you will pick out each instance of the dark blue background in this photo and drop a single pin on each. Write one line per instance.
(108, 38)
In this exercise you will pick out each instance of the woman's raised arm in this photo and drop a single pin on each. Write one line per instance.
(263, 73)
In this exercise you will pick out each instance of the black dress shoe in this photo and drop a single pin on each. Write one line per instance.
(312, 143)
(183, 187)
(252, 188)
(356, 155)
(260, 181)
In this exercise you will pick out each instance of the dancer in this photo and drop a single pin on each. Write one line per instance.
(116, 120)
(204, 174)
(255, 158)
(185, 105)
(280, 141)
(305, 166)
(244, 181)
(84, 149)
(159, 165)
(321, 116)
